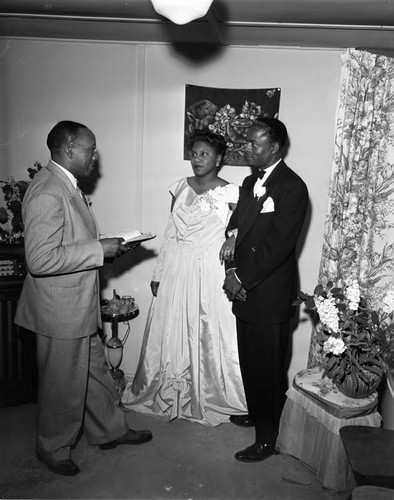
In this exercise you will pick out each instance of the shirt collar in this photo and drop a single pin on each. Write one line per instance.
(68, 173)
(268, 171)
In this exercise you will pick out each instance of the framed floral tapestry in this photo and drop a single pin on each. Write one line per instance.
(229, 112)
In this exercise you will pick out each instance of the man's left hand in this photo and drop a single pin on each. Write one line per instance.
(130, 246)
(227, 250)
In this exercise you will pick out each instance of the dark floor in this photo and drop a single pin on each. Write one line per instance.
(183, 461)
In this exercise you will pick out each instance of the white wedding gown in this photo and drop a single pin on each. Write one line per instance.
(188, 365)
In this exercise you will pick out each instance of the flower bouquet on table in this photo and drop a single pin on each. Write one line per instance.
(356, 341)
(11, 214)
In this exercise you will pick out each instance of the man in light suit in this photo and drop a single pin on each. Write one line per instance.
(60, 303)
(261, 279)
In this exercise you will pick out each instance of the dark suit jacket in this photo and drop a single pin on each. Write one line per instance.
(265, 249)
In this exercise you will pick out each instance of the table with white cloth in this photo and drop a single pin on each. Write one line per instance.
(314, 412)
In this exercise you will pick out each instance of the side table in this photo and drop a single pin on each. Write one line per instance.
(313, 414)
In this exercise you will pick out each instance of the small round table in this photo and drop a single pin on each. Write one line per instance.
(115, 345)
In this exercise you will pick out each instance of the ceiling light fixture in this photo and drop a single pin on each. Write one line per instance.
(181, 11)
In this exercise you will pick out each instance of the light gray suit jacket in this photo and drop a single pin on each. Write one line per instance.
(60, 295)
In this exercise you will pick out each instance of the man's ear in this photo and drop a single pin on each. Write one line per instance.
(69, 152)
(275, 148)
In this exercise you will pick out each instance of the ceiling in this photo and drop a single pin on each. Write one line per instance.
(367, 24)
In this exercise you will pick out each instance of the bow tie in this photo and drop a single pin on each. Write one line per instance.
(261, 174)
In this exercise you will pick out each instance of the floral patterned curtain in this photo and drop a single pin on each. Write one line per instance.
(359, 229)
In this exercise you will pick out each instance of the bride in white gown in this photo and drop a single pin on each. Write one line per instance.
(188, 366)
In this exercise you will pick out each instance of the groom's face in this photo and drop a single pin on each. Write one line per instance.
(260, 151)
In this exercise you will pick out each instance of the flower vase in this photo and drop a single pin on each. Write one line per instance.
(354, 386)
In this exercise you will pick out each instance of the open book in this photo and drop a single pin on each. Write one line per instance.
(130, 236)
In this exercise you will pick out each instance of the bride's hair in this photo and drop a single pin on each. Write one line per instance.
(215, 140)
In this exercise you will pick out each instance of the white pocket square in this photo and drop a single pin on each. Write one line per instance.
(268, 206)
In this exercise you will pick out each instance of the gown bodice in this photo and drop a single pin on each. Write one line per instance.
(200, 219)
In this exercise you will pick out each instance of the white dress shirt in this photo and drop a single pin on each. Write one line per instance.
(260, 182)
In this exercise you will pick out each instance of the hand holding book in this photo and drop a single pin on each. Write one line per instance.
(132, 237)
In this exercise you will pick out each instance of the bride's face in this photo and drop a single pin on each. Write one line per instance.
(204, 159)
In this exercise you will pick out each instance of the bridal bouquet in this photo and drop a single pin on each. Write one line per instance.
(357, 342)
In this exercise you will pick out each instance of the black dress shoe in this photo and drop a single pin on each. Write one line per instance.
(131, 437)
(62, 467)
(256, 453)
(242, 420)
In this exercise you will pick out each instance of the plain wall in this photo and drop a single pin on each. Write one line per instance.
(132, 97)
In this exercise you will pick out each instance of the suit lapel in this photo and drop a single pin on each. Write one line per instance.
(249, 209)
(274, 178)
(77, 201)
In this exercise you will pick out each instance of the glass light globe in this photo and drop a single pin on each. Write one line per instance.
(181, 11)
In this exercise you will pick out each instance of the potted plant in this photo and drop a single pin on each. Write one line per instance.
(11, 213)
(356, 341)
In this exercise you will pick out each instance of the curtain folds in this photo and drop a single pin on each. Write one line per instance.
(359, 228)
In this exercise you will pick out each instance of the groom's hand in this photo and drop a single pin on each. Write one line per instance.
(241, 295)
(233, 288)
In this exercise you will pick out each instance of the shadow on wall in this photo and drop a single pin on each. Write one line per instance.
(117, 267)
(114, 268)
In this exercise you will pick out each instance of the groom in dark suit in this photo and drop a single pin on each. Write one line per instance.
(261, 279)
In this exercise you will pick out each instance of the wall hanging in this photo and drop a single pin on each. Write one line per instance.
(228, 112)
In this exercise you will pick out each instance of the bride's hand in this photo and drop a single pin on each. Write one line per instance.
(227, 250)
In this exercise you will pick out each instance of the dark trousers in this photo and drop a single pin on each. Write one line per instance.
(262, 355)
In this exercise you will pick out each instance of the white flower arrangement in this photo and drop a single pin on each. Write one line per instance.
(328, 313)
(388, 302)
(352, 293)
(334, 345)
(357, 342)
